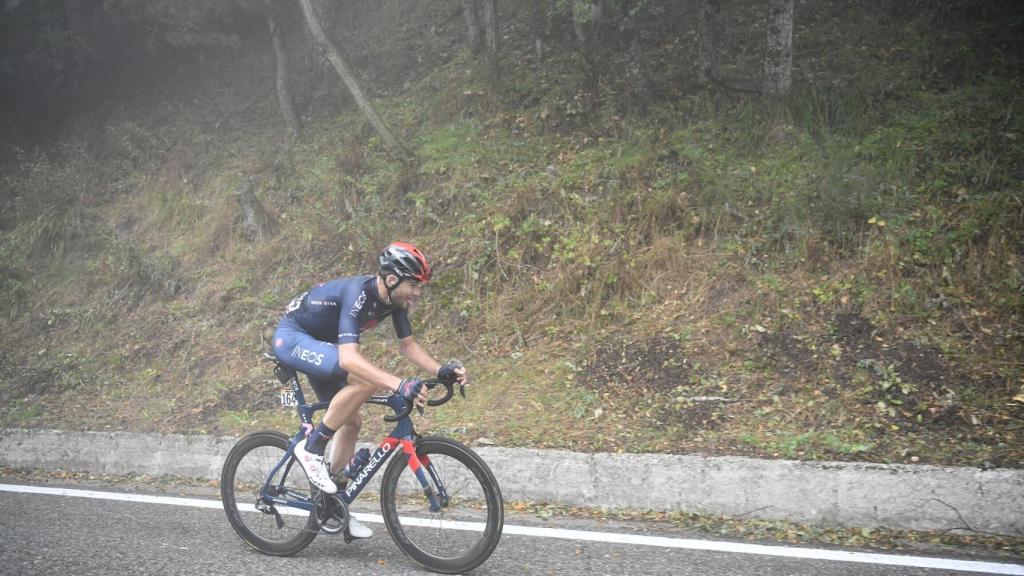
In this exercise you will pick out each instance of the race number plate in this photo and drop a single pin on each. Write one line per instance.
(288, 398)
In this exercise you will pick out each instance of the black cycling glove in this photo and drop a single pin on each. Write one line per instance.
(409, 389)
(446, 373)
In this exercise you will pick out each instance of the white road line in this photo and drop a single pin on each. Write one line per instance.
(583, 535)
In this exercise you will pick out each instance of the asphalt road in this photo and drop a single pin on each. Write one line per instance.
(72, 535)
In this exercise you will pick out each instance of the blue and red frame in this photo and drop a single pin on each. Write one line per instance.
(403, 436)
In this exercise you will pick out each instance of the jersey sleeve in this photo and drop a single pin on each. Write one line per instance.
(400, 320)
(353, 297)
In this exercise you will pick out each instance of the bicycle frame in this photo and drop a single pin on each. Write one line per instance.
(403, 436)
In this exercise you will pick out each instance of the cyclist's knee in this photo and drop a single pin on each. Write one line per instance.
(365, 388)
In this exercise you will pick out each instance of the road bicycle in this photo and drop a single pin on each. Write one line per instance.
(438, 498)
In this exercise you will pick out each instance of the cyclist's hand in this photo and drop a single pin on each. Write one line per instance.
(452, 372)
(411, 389)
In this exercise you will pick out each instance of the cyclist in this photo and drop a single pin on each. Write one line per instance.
(319, 335)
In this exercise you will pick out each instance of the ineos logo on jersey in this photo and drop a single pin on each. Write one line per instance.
(313, 358)
(357, 306)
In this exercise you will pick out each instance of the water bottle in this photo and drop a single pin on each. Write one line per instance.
(359, 459)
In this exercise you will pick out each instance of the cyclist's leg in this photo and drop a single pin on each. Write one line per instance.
(318, 360)
(353, 394)
(343, 416)
(344, 445)
(325, 392)
(346, 403)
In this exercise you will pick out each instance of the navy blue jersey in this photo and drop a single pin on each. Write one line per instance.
(339, 310)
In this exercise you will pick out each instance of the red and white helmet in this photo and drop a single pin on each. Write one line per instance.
(405, 261)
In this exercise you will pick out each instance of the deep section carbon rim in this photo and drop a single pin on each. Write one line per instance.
(464, 531)
(277, 530)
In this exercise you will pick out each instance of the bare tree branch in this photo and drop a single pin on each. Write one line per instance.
(965, 524)
(284, 95)
(349, 79)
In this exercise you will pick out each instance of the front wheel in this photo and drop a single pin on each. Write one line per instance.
(271, 529)
(461, 528)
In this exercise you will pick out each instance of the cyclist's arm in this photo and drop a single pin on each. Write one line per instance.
(420, 357)
(412, 350)
(353, 362)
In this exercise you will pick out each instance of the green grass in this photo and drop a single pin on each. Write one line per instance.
(809, 445)
(22, 413)
(240, 419)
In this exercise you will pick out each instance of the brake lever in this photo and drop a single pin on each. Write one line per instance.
(462, 389)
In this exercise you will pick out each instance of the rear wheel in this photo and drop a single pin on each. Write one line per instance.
(271, 529)
(464, 531)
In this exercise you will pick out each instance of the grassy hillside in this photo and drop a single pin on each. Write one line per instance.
(836, 274)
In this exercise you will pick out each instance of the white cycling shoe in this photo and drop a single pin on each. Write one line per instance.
(315, 468)
(357, 529)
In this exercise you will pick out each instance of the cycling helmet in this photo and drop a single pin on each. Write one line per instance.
(406, 262)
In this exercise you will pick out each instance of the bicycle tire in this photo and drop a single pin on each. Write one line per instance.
(245, 470)
(475, 504)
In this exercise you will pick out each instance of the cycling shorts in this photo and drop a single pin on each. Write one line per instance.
(315, 358)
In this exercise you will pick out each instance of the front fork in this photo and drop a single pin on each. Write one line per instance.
(433, 487)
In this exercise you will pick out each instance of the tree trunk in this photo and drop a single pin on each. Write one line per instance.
(538, 19)
(636, 65)
(586, 17)
(778, 56)
(491, 37)
(492, 43)
(471, 11)
(284, 95)
(313, 23)
(707, 40)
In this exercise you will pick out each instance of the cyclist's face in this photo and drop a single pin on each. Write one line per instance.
(407, 294)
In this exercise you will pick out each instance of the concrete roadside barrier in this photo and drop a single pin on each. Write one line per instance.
(914, 497)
